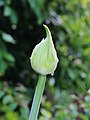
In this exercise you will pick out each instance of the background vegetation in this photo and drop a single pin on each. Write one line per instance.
(67, 93)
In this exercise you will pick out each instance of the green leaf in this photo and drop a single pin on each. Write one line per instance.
(2, 48)
(2, 2)
(72, 74)
(12, 106)
(6, 59)
(9, 12)
(14, 17)
(46, 113)
(8, 38)
(2, 93)
(3, 67)
(7, 99)
(11, 116)
(9, 57)
(83, 117)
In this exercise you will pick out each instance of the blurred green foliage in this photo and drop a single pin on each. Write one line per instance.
(67, 94)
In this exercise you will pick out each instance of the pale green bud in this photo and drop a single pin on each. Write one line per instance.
(44, 57)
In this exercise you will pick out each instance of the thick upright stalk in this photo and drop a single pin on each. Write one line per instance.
(37, 97)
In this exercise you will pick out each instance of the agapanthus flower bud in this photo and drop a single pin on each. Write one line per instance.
(44, 57)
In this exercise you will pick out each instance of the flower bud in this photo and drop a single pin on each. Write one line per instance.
(44, 57)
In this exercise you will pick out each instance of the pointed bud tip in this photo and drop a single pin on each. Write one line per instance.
(44, 25)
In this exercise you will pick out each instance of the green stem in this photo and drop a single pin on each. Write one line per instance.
(37, 97)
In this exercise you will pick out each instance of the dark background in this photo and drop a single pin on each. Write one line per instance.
(67, 93)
